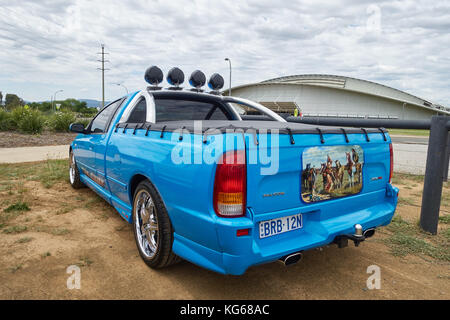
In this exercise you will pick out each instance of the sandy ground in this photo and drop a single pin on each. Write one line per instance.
(75, 227)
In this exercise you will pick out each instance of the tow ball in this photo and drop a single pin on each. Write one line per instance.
(358, 237)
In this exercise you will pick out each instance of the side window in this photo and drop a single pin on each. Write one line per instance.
(218, 115)
(245, 110)
(173, 110)
(101, 121)
(139, 113)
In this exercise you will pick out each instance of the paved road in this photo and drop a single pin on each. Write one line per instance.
(31, 154)
(409, 139)
(410, 154)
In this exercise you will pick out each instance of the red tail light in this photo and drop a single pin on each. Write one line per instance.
(391, 152)
(230, 185)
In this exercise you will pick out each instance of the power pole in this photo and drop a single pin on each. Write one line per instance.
(103, 72)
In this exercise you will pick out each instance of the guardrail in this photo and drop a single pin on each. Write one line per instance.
(437, 158)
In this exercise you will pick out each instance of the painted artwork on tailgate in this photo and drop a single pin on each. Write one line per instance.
(331, 172)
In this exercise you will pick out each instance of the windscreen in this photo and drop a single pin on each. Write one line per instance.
(176, 110)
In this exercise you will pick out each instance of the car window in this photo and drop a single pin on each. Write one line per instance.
(101, 121)
(244, 110)
(218, 114)
(173, 110)
(139, 113)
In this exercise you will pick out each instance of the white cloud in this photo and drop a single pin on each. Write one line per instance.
(51, 45)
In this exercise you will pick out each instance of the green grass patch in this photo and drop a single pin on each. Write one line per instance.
(409, 132)
(84, 262)
(15, 268)
(404, 244)
(24, 240)
(407, 238)
(46, 254)
(47, 172)
(445, 219)
(401, 177)
(15, 229)
(18, 206)
(67, 208)
(402, 201)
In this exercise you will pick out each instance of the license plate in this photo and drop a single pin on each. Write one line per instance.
(272, 227)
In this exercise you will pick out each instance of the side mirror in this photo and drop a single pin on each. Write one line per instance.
(77, 127)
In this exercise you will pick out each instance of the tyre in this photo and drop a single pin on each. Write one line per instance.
(152, 228)
(74, 174)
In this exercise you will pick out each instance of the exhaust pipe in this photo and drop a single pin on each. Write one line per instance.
(291, 258)
(369, 233)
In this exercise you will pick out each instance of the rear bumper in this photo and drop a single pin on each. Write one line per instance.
(321, 225)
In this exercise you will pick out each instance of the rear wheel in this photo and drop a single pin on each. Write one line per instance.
(152, 228)
(74, 174)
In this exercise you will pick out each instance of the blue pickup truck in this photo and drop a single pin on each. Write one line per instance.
(225, 182)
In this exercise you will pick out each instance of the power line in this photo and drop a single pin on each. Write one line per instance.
(103, 72)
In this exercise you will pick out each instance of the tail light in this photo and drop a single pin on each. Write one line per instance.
(391, 153)
(230, 185)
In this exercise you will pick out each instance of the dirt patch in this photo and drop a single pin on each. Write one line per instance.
(47, 138)
(60, 226)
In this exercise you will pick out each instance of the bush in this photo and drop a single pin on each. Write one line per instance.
(85, 122)
(6, 122)
(27, 120)
(60, 121)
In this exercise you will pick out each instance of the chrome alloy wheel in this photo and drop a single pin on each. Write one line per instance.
(72, 169)
(146, 223)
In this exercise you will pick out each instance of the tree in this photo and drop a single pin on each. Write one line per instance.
(1, 98)
(12, 101)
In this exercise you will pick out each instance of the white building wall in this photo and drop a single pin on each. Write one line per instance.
(331, 101)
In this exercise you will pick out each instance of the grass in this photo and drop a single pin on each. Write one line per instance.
(18, 206)
(445, 219)
(24, 240)
(60, 231)
(407, 238)
(405, 178)
(47, 172)
(55, 232)
(409, 132)
(15, 229)
(65, 209)
(84, 262)
(402, 201)
(15, 268)
(46, 254)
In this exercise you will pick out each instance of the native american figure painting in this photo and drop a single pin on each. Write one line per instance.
(331, 172)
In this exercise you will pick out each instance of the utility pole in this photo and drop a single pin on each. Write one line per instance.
(103, 72)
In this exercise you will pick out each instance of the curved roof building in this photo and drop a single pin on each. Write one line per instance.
(331, 95)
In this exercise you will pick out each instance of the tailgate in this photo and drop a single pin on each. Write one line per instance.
(307, 169)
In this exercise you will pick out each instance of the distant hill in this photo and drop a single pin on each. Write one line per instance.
(93, 103)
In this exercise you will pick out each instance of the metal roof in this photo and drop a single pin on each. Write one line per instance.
(351, 84)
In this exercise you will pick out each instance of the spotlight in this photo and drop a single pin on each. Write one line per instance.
(175, 77)
(154, 76)
(216, 82)
(197, 80)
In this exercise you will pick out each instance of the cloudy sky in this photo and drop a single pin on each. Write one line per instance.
(50, 45)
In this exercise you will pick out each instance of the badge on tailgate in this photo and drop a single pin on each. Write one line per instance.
(331, 172)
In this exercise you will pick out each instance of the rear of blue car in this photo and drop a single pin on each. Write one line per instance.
(307, 191)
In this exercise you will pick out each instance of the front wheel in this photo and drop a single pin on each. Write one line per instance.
(152, 228)
(74, 174)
